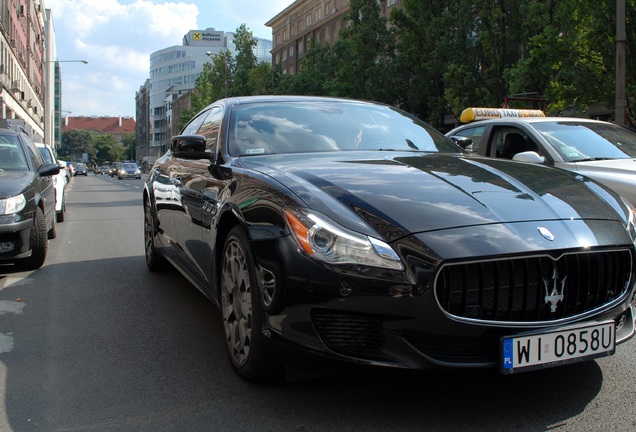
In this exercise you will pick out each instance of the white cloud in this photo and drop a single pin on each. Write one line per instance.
(118, 36)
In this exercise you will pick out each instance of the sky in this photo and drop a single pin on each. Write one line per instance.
(116, 37)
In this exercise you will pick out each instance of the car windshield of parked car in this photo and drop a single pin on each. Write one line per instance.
(11, 154)
(46, 154)
(304, 127)
(581, 141)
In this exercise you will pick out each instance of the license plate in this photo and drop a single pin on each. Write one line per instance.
(561, 346)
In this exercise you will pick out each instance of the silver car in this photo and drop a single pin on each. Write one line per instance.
(600, 150)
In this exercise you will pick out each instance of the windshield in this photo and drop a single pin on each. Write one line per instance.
(46, 154)
(11, 154)
(304, 127)
(129, 166)
(581, 141)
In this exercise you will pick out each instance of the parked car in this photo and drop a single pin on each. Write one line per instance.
(114, 169)
(603, 151)
(60, 181)
(352, 233)
(27, 202)
(80, 169)
(128, 170)
(65, 167)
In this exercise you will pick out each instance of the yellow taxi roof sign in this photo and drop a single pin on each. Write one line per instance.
(473, 114)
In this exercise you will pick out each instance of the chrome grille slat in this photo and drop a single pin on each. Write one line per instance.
(514, 290)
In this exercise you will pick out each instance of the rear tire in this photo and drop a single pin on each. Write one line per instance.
(60, 216)
(38, 242)
(242, 309)
(52, 233)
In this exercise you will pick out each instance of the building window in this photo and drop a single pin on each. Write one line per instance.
(291, 51)
(308, 21)
(390, 3)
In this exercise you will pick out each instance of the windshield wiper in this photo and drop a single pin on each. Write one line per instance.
(595, 159)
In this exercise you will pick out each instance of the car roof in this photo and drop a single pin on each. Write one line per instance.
(528, 121)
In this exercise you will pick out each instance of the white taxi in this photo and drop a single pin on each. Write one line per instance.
(600, 150)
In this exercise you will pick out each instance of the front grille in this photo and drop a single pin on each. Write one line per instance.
(526, 290)
(348, 333)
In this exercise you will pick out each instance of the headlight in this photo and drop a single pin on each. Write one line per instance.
(327, 242)
(12, 205)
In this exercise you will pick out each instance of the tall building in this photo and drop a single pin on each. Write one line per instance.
(304, 20)
(174, 71)
(22, 60)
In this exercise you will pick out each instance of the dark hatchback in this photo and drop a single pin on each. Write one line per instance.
(27, 202)
(355, 234)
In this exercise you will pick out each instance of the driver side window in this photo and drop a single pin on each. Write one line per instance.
(508, 142)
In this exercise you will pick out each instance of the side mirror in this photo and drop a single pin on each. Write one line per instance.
(190, 147)
(464, 142)
(61, 164)
(529, 156)
(47, 169)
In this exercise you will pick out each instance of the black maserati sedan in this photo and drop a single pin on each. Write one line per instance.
(27, 202)
(352, 233)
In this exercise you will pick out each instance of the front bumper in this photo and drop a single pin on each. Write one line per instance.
(388, 319)
(15, 237)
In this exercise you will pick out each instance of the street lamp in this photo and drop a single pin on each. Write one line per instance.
(52, 121)
(70, 61)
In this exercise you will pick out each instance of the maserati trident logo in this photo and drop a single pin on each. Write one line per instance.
(546, 233)
(554, 289)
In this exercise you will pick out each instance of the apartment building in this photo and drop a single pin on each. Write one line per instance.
(304, 20)
(23, 66)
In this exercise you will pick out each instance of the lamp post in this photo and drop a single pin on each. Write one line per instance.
(52, 116)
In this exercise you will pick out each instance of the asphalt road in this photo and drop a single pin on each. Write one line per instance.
(94, 342)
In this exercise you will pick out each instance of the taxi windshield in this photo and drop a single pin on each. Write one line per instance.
(581, 141)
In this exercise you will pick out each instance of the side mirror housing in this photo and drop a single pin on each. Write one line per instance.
(529, 156)
(47, 169)
(190, 147)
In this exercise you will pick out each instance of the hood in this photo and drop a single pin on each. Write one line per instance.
(617, 174)
(14, 183)
(416, 193)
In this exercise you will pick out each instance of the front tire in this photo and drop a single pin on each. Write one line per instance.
(38, 243)
(154, 261)
(242, 310)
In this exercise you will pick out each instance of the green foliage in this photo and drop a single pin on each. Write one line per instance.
(75, 143)
(434, 58)
(107, 149)
(245, 61)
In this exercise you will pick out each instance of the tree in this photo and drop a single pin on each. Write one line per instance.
(76, 143)
(437, 56)
(570, 58)
(129, 142)
(363, 55)
(107, 149)
(317, 69)
(264, 79)
(245, 61)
